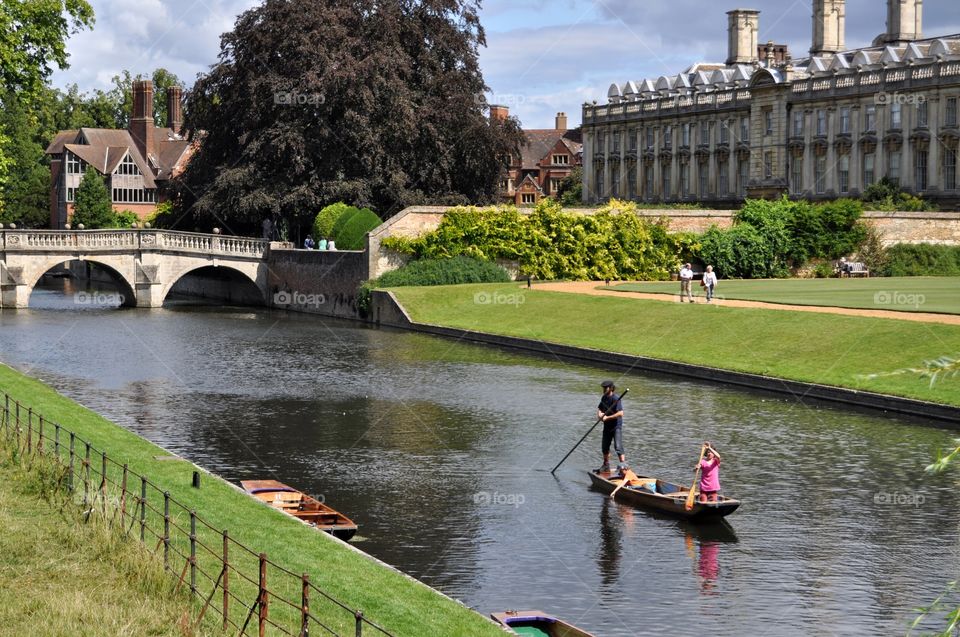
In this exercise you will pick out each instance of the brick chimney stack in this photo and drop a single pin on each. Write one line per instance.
(561, 121)
(174, 109)
(141, 120)
(499, 113)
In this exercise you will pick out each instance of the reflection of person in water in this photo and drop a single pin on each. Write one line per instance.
(707, 566)
(608, 557)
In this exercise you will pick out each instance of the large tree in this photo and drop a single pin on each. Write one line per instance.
(93, 208)
(376, 103)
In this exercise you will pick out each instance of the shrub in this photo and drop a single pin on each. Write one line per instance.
(93, 207)
(923, 259)
(351, 235)
(125, 219)
(888, 197)
(163, 216)
(873, 253)
(323, 224)
(342, 220)
(823, 270)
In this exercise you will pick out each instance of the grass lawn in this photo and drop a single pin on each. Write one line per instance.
(61, 576)
(904, 294)
(387, 597)
(820, 348)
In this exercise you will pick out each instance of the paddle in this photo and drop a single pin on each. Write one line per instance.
(628, 475)
(599, 420)
(696, 476)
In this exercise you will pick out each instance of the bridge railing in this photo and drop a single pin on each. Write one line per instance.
(72, 241)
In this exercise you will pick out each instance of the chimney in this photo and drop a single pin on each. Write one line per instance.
(829, 20)
(174, 109)
(561, 121)
(742, 32)
(141, 120)
(499, 113)
(904, 22)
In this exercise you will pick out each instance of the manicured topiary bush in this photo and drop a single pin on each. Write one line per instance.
(351, 235)
(323, 224)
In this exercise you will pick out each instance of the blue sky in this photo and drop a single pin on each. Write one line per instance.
(542, 56)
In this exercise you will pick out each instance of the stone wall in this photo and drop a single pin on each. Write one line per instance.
(916, 227)
(316, 281)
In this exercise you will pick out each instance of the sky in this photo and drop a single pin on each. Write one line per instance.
(542, 56)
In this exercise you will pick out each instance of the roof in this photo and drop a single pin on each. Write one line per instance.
(541, 141)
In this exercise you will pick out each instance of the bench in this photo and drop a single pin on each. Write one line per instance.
(855, 268)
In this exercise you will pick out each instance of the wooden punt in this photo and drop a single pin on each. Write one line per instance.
(669, 498)
(301, 506)
(537, 623)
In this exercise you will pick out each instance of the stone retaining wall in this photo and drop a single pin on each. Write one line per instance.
(316, 281)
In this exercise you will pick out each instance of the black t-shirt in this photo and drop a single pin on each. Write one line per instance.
(611, 405)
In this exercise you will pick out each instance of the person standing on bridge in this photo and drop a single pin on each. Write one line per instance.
(308, 243)
(322, 244)
(610, 411)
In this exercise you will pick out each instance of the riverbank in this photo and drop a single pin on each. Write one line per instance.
(400, 604)
(823, 349)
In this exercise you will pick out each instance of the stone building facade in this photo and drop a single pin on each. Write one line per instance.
(763, 123)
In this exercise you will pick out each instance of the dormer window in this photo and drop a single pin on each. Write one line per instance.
(75, 165)
(561, 160)
(127, 167)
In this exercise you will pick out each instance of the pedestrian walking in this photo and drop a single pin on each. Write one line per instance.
(686, 277)
(709, 282)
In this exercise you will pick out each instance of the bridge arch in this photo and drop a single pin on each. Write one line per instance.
(113, 266)
(220, 282)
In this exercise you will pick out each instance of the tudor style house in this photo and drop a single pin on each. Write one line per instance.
(136, 163)
(546, 159)
(826, 125)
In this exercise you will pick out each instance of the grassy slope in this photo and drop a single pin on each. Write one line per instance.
(821, 348)
(59, 576)
(392, 600)
(906, 294)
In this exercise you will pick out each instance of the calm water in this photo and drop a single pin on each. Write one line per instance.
(441, 452)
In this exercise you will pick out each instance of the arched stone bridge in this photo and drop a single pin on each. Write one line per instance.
(146, 262)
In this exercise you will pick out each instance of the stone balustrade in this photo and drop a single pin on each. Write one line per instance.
(106, 241)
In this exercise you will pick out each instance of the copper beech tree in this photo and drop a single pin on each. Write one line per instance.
(374, 103)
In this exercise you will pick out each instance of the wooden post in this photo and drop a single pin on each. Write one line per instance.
(40, 437)
(17, 424)
(264, 606)
(103, 481)
(30, 430)
(359, 617)
(305, 606)
(86, 476)
(56, 440)
(166, 530)
(123, 498)
(143, 509)
(226, 579)
(193, 553)
(6, 415)
(70, 473)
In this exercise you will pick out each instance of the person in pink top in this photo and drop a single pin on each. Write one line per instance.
(709, 474)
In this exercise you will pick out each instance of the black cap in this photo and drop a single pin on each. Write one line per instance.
(607, 383)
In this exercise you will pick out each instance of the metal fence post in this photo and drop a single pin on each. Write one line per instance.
(123, 498)
(72, 457)
(193, 553)
(6, 415)
(40, 437)
(143, 509)
(359, 616)
(56, 439)
(30, 430)
(264, 606)
(226, 579)
(16, 425)
(305, 606)
(166, 530)
(86, 475)
(103, 481)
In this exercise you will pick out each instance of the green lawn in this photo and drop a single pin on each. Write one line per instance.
(813, 347)
(904, 294)
(387, 597)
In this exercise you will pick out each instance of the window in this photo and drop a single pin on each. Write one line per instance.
(723, 177)
(820, 174)
(615, 138)
(127, 167)
(896, 115)
(796, 174)
(703, 174)
(798, 123)
(893, 167)
(768, 121)
(615, 181)
(724, 132)
(75, 165)
(705, 133)
(745, 129)
(602, 142)
(667, 190)
(684, 180)
(632, 140)
(920, 169)
(743, 176)
(768, 165)
(71, 194)
(561, 160)
(632, 182)
(599, 182)
(685, 134)
(554, 185)
(843, 173)
(951, 113)
(845, 119)
(870, 117)
(949, 168)
(922, 113)
(650, 135)
(648, 187)
(821, 122)
(503, 185)
(869, 169)
(528, 197)
(134, 195)
(668, 136)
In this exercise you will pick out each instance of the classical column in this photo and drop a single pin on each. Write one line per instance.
(856, 170)
(933, 158)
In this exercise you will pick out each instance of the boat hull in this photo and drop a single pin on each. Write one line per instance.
(299, 505)
(670, 499)
(548, 624)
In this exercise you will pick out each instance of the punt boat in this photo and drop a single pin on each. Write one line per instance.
(663, 496)
(536, 623)
(301, 506)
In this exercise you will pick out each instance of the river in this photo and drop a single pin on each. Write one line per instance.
(441, 452)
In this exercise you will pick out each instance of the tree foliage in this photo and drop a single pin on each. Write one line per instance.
(373, 103)
(93, 207)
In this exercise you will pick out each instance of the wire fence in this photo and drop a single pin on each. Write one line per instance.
(251, 594)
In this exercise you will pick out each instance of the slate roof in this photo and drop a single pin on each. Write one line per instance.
(541, 141)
